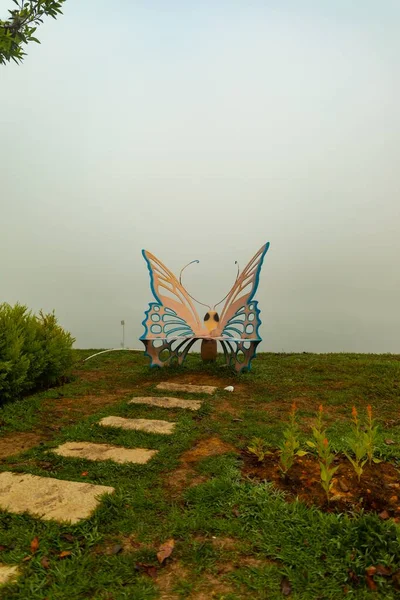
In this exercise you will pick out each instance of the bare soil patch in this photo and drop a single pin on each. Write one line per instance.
(56, 414)
(185, 475)
(378, 490)
(168, 577)
(209, 447)
(208, 586)
(14, 443)
(81, 405)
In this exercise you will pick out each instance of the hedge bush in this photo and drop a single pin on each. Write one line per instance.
(35, 352)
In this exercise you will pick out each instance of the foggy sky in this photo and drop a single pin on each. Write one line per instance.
(201, 130)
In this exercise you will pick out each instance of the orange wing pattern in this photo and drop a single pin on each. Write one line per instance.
(239, 317)
(174, 313)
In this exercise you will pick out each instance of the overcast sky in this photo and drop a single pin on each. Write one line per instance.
(201, 130)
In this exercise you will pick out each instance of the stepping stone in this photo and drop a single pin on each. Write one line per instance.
(149, 425)
(183, 387)
(167, 402)
(8, 573)
(118, 454)
(49, 498)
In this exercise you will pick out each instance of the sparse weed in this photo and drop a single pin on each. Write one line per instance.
(259, 448)
(358, 444)
(325, 455)
(290, 447)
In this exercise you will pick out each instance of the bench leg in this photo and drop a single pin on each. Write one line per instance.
(154, 352)
(248, 355)
(232, 351)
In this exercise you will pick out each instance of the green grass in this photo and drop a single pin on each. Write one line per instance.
(322, 555)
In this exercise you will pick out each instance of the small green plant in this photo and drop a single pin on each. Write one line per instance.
(358, 444)
(258, 447)
(325, 454)
(290, 447)
(371, 433)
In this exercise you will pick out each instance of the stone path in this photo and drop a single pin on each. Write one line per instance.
(8, 573)
(149, 425)
(48, 498)
(166, 402)
(181, 387)
(90, 451)
(70, 501)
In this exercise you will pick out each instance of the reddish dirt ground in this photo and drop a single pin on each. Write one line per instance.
(185, 475)
(14, 443)
(57, 414)
(378, 490)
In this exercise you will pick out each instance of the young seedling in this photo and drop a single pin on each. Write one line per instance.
(371, 435)
(325, 455)
(258, 447)
(358, 445)
(290, 447)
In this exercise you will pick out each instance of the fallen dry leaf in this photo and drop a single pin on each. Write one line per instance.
(34, 544)
(149, 570)
(165, 550)
(286, 588)
(67, 536)
(45, 562)
(64, 554)
(27, 558)
(370, 571)
(353, 577)
(384, 515)
(396, 580)
(371, 583)
(389, 442)
(85, 474)
(384, 571)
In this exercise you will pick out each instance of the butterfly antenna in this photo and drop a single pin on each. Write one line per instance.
(237, 277)
(180, 281)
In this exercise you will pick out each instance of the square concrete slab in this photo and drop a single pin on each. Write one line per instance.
(166, 402)
(8, 573)
(48, 498)
(183, 387)
(149, 425)
(118, 454)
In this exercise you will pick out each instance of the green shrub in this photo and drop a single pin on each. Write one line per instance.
(35, 352)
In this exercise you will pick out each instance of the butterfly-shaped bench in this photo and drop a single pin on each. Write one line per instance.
(172, 324)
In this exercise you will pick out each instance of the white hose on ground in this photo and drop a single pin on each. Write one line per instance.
(112, 350)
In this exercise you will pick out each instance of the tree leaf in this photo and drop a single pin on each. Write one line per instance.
(165, 550)
(45, 562)
(301, 452)
(34, 544)
(64, 554)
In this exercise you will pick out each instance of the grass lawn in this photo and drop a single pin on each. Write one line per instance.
(235, 535)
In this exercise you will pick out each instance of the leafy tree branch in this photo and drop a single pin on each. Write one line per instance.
(21, 25)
